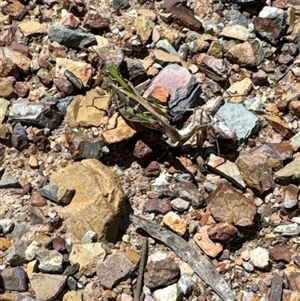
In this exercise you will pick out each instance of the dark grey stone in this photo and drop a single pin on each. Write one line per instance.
(15, 279)
(16, 253)
(10, 183)
(63, 104)
(119, 4)
(71, 38)
(19, 137)
(50, 192)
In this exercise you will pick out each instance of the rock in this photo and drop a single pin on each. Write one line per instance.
(20, 60)
(33, 161)
(185, 284)
(260, 77)
(245, 54)
(152, 170)
(87, 256)
(180, 204)
(239, 90)
(79, 73)
(37, 114)
(166, 46)
(7, 67)
(61, 197)
(170, 293)
(70, 38)
(260, 258)
(184, 92)
(7, 89)
(239, 119)
(256, 171)
(14, 9)
(184, 17)
(175, 223)
(237, 32)
(209, 247)
(10, 183)
(21, 89)
(289, 173)
(227, 169)
(237, 209)
(117, 130)
(165, 58)
(4, 243)
(276, 287)
(144, 27)
(81, 146)
(290, 196)
(161, 273)
(73, 296)
(254, 104)
(295, 141)
(50, 261)
(288, 230)
(89, 237)
(120, 4)
(94, 21)
(14, 279)
(6, 225)
(63, 85)
(189, 192)
(212, 67)
(47, 286)
(29, 28)
(280, 126)
(96, 208)
(294, 106)
(115, 268)
(70, 21)
(19, 137)
(15, 255)
(162, 206)
(280, 253)
(222, 232)
(248, 266)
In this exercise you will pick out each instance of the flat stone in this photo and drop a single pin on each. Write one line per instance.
(180, 204)
(95, 21)
(280, 126)
(10, 183)
(289, 173)
(96, 208)
(276, 287)
(227, 169)
(166, 46)
(50, 261)
(20, 60)
(164, 58)
(144, 26)
(71, 38)
(87, 255)
(14, 279)
(184, 17)
(256, 171)
(29, 28)
(170, 293)
(209, 247)
(280, 253)
(288, 230)
(162, 206)
(115, 268)
(175, 223)
(117, 130)
(260, 257)
(35, 113)
(47, 286)
(161, 273)
(237, 209)
(239, 119)
(235, 32)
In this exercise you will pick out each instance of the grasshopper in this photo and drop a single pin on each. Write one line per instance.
(135, 108)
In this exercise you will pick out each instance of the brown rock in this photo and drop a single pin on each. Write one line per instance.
(184, 17)
(94, 21)
(237, 32)
(242, 54)
(160, 93)
(260, 77)
(152, 170)
(69, 20)
(156, 205)
(7, 67)
(6, 88)
(163, 57)
(29, 28)
(175, 223)
(4, 243)
(265, 25)
(14, 9)
(222, 232)
(37, 200)
(63, 85)
(161, 273)
(295, 108)
(280, 253)
(144, 27)
(280, 126)
(256, 171)
(276, 288)
(21, 88)
(88, 110)
(98, 199)
(240, 89)
(206, 244)
(19, 59)
(236, 208)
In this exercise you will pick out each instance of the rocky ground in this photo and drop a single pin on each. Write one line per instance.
(95, 205)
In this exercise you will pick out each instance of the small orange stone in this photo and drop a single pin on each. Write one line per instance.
(161, 93)
(4, 243)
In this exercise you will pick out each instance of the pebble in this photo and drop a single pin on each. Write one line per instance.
(170, 293)
(50, 261)
(6, 225)
(287, 230)
(180, 205)
(15, 279)
(260, 257)
(175, 223)
(248, 267)
(185, 284)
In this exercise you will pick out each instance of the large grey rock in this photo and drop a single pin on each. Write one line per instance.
(35, 113)
(239, 119)
(276, 14)
(71, 38)
(183, 88)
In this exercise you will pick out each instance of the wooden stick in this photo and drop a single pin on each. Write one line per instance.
(139, 283)
(199, 263)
